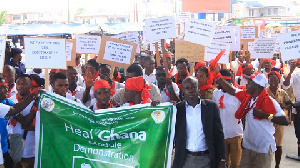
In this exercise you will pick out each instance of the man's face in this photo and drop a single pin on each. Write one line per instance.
(90, 68)
(129, 95)
(116, 71)
(23, 86)
(182, 69)
(104, 72)
(149, 65)
(248, 71)
(8, 75)
(251, 87)
(72, 76)
(102, 95)
(190, 90)
(77, 60)
(241, 56)
(161, 77)
(169, 60)
(273, 81)
(3, 90)
(60, 87)
(267, 65)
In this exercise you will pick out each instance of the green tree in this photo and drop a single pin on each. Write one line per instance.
(2, 17)
(80, 11)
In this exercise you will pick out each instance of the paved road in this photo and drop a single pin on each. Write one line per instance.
(289, 147)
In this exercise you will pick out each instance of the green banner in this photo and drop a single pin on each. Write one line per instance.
(71, 136)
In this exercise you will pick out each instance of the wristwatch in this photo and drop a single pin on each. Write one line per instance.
(270, 117)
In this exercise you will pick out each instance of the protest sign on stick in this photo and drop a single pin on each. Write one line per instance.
(263, 48)
(215, 48)
(160, 28)
(131, 37)
(86, 44)
(289, 45)
(157, 54)
(226, 35)
(199, 32)
(163, 49)
(116, 52)
(70, 52)
(248, 34)
(2, 52)
(186, 49)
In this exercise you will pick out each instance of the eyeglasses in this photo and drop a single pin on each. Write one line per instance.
(161, 74)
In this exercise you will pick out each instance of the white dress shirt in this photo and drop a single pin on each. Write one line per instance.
(295, 82)
(165, 97)
(195, 140)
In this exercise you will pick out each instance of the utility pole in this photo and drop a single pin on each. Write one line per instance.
(68, 11)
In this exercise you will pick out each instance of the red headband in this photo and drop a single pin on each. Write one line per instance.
(276, 73)
(4, 83)
(246, 67)
(137, 84)
(101, 84)
(199, 64)
(33, 82)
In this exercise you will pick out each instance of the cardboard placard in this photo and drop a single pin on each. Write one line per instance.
(290, 45)
(226, 35)
(248, 32)
(86, 44)
(215, 48)
(116, 52)
(160, 28)
(2, 52)
(186, 49)
(45, 53)
(200, 32)
(263, 48)
(70, 52)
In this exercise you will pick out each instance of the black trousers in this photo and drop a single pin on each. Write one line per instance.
(8, 162)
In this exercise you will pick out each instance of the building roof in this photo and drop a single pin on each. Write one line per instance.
(252, 3)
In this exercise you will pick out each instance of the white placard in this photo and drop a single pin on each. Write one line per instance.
(226, 35)
(2, 51)
(87, 44)
(263, 48)
(290, 45)
(247, 32)
(199, 31)
(215, 48)
(117, 52)
(160, 28)
(237, 46)
(183, 17)
(275, 36)
(277, 48)
(250, 46)
(45, 53)
(152, 47)
(131, 37)
(69, 47)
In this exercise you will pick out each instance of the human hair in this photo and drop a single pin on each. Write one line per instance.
(40, 81)
(225, 72)
(58, 76)
(93, 63)
(25, 76)
(10, 68)
(191, 79)
(135, 68)
(203, 69)
(276, 69)
(160, 68)
(1, 79)
(104, 66)
(245, 64)
(148, 58)
(182, 60)
(15, 51)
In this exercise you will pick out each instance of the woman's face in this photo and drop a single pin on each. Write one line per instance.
(202, 78)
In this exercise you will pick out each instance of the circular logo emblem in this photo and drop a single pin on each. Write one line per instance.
(158, 116)
(47, 104)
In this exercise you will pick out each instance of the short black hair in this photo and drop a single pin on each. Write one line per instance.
(160, 68)
(245, 64)
(203, 69)
(58, 76)
(93, 63)
(276, 69)
(25, 76)
(225, 72)
(148, 58)
(104, 66)
(1, 79)
(182, 60)
(40, 81)
(135, 68)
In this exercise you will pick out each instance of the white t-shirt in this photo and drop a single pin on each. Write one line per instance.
(4, 110)
(295, 82)
(41, 75)
(165, 97)
(231, 127)
(151, 78)
(259, 134)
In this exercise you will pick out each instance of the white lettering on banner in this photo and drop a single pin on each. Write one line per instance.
(226, 35)
(2, 52)
(88, 44)
(45, 53)
(117, 52)
(263, 48)
(84, 134)
(248, 32)
(200, 32)
(106, 135)
(160, 28)
(69, 47)
(215, 48)
(102, 152)
(289, 45)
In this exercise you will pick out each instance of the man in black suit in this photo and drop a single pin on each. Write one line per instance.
(199, 138)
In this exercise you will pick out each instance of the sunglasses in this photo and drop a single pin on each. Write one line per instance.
(161, 74)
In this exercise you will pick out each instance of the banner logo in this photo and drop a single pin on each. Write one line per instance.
(47, 104)
(158, 116)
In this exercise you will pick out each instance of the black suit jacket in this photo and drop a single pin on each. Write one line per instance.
(212, 128)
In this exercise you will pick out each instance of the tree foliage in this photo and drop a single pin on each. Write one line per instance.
(2, 17)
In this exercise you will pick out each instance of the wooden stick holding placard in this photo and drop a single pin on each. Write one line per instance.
(230, 59)
(47, 79)
(245, 41)
(164, 57)
(157, 54)
(192, 65)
